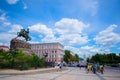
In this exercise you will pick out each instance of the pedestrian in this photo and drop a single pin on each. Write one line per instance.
(98, 67)
(88, 68)
(93, 68)
(60, 66)
(101, 68)
(80, 65)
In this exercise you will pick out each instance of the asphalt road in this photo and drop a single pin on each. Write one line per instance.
(71, 73)
(113, 69)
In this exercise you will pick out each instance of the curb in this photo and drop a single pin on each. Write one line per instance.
(26, 72)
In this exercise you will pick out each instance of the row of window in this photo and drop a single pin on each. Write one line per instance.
(44, 47)
(45, 51)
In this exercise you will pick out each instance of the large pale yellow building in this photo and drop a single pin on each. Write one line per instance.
(54, 51)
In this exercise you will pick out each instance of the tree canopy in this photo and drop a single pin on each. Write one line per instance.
(68, 57)
(105, 58)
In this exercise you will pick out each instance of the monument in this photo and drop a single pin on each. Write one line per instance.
(17, 44)
(24, 33)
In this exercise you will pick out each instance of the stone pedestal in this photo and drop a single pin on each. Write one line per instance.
(17, 44)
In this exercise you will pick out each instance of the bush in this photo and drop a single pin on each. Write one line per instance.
(5, 64)
(25, 66)
(20, 61)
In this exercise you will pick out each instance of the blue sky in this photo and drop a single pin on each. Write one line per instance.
(85, 27)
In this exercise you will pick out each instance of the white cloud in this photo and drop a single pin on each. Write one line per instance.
(71, 31)
(42, 29)
(107, 37)
(15, 28)
(82, 53)
(74, 50)
(6, 37)
(2, 17)
(73, 39)
(33, 42)
(6, 23)
(87, 51)
(12, 1)
(73, 36)
(67, 25)
(91, 49)
(49, 39)
(3, 20)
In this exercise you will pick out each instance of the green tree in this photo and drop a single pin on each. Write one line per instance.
(20, 56)
(77, 59)
(36, 60)
(18, 60)
(5, 58)
(88, 59)
(70, 58)
(67, 57)
(105, 58)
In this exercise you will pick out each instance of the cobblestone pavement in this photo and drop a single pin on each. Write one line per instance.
(69, 74)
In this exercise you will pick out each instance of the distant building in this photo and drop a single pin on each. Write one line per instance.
(5, 48)
(54, 51)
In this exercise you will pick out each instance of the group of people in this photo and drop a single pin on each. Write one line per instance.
(89, 67)
(95, 68)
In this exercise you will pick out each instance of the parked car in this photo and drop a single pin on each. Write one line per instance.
(72, 64)
(83, 64)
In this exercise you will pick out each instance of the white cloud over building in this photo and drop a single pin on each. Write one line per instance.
(70, 32)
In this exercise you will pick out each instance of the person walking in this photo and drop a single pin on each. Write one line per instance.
(88, 68)
(98, 67)
(80, 65)
(93, 68)
(101, 68)
(60, 66)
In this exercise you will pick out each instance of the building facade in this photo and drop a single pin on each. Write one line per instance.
(54, 51)
(5, 48)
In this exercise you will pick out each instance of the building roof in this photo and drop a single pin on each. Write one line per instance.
(48, 43)
(4, 46)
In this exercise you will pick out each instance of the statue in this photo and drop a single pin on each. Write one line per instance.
(24, 33)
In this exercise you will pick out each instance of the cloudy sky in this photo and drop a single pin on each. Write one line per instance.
(85, 27)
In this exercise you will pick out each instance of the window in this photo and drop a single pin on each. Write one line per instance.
(55, 51)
